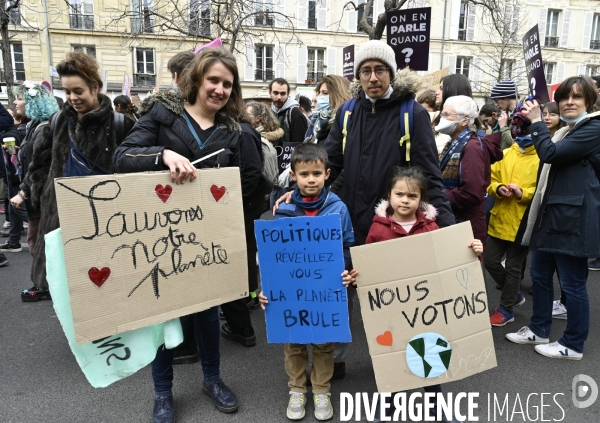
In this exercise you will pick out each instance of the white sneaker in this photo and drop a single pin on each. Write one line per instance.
(555, 350)
(296, 405)
(559, 311)
(6, 225)
(323, 407)
(525, 336)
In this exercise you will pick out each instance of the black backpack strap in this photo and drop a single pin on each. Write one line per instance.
(119, 127)
(53, 121)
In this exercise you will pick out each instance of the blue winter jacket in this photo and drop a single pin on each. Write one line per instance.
(333, 205)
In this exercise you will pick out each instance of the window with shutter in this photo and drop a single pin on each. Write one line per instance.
(315, 69)
(360, 13)
(560, 72)
(249, 62)
(462, 65)
(302, 64)
(551, 39)
(476, 73)
(280, 20)
(595, 32)
(264, 13)
(550, 72)
(331, 61)
(463, 20)
(322, 15)
(564, 36)
(302, 14)
(472, 18)
(81, 14)
(352, 20)
(543, 15)
(263, 70)
(280, 61)
(452, 64)
(455, 18)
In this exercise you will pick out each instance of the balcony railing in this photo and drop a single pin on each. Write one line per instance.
(82, 21)
(315, 76)
(264, 75)
(142, 24)
(144, 80)
(264, 19)
(551, 42)
(595, 45)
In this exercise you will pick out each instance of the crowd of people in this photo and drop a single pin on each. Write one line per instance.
(391, 160)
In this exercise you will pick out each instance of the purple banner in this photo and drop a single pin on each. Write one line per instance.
(348, 65)
(536, 79)
(408, 34)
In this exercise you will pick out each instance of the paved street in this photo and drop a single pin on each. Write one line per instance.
(41, 382)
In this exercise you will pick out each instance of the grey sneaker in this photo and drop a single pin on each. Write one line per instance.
(296, 406)
(559, 311)
(323, 407)
(525, 336)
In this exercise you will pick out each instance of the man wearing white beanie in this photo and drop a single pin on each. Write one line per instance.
(371, 147)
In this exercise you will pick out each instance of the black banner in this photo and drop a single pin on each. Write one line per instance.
(536, 79)
(349, 63)
(408, 34)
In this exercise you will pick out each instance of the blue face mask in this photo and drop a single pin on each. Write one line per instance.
(314, 111)
(573, 120)
(323, 102)
(174, 86)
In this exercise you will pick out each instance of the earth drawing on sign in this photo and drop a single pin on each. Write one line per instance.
(428, 355)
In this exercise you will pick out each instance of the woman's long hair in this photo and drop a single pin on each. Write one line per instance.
(266, 118)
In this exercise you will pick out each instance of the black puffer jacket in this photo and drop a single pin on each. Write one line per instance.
(568, 220)
(162, 125)
(9, 168)
(372, 151)
(36, 132)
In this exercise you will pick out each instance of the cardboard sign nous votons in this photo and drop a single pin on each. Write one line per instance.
(140, 250)
(424, 309)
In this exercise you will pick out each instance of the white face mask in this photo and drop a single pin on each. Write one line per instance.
(446, 126)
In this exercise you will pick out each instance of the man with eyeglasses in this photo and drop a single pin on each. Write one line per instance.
(372, 143)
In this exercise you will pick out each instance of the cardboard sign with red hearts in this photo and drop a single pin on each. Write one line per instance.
(141, 250)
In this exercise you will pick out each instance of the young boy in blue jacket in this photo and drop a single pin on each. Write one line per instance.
(310, 171)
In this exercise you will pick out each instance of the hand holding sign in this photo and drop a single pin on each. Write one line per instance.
(535, 66)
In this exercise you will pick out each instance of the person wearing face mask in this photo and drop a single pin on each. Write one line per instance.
(85, 129)
(563, 226)
(465, 162)
(331, 93)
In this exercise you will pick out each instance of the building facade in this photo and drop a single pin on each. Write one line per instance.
(300, 40)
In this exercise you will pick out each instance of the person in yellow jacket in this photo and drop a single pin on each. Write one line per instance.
(513, 184)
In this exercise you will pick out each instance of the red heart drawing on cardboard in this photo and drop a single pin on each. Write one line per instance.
(385, 339)
(99, 276)
(217, 192)
(163, 192)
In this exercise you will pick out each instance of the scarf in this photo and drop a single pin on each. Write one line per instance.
(450, 158)
(520, 123)
(309, 205)
(536, 202)
(524, 142)
(323, 124)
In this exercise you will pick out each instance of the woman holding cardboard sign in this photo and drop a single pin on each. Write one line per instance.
(80, 142)
(173, 129)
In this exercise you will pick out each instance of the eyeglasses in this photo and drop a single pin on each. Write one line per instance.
(445, 115)
(380, 72)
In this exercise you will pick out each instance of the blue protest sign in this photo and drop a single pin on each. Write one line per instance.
(301, 262)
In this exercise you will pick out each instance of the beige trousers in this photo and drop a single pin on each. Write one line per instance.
(296, 360)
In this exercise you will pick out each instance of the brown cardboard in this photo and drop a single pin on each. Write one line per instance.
(452, 270)
(102, 309)
(432, 81)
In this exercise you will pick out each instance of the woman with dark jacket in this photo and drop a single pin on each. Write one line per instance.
(174, 129)
(84, 128)
(563, 227)
(37, 103)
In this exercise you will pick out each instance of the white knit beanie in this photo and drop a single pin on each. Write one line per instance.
(375, 50)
